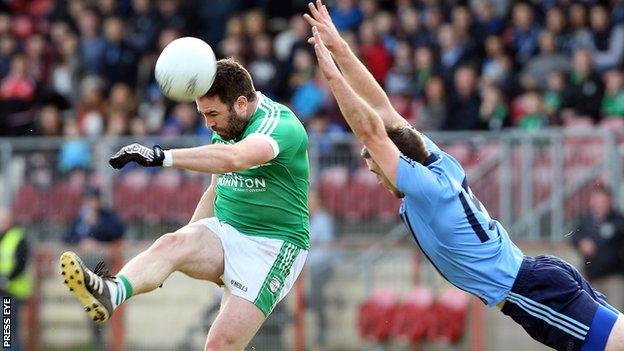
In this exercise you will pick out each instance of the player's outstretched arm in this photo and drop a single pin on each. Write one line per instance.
(363, 120)
(354, 71)
(215, 158)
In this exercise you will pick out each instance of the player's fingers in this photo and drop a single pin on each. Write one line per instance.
(325, 12)
(315, 13)
(310, 20)
(319, 42)
(311, 41)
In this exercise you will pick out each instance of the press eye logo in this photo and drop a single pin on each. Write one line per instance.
(6, 322)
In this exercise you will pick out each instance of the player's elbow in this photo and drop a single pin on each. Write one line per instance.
(371, 132)
(236, 161)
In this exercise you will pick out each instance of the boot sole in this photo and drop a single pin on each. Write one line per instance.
(73, 276)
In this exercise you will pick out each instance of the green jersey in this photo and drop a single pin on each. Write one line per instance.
(269, 200)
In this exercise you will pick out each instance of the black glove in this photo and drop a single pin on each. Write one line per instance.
(138, 153)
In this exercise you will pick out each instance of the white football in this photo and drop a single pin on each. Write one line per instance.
(185, 69)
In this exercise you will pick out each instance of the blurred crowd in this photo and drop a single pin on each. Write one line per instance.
(85, 67)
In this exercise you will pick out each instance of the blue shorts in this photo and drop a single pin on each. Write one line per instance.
(557, 307)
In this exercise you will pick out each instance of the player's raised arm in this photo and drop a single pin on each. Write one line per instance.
(363, 120)
(214, 158)
(354, 71)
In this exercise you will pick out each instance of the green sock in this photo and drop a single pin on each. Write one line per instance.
(121, 291)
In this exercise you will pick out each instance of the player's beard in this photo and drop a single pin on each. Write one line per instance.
(235, 126)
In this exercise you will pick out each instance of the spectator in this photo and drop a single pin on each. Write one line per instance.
(94, 223)
(599, 239)
(172, 14)
(384, 22)
(533, 117)
(65, 73)
(584, 91)
(399, 78)
(465, 102)
(8, 47)
(494, 111)
(346, 15)
(117, 123)
(119, 63)
(90, 114)
(264, 68)
(121, 97)
(49, 122)
(411, 29)
(373, 52)
(497, 66)
(524, 33)
(35, 51)
(425, 68)
(17, 95)
(143, 26)
(580, 37)
(254, 24)
(310, 96)
(369, 8)
(556, 25)
(92, 45)
(15, 277)
(452, 52)
(432, 112)
(302, 70)
(535, 72)
(434, 19)
(320, 262)
(214, 17)
(466, 30)
(553, 96)
(486, 18)
(613, 100)
(74, 153)
(287, 42)
(5, 23)
(608, 39)
(617, 12)
(183, 121)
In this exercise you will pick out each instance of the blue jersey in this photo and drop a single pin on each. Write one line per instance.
(453, 229)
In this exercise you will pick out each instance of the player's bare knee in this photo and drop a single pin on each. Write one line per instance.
(168, 245)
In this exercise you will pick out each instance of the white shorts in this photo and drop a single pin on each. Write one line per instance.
(258, 269)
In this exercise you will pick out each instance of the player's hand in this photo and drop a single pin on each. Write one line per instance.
(138, 153)
(321, 19)
(323, 56)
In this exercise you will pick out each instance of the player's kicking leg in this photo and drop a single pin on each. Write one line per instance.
(193, 250)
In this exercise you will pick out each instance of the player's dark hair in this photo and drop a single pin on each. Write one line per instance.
(409, 142)
(231, 81)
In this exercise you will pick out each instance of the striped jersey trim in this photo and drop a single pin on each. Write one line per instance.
(271, 117)
(550, 316)
(276, 278)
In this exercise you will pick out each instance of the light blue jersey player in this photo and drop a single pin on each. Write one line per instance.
(452, 227)
(545, 295)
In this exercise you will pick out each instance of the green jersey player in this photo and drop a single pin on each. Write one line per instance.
(250, 230)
